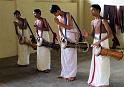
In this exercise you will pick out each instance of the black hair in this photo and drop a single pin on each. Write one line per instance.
(37, 11)
(97, 7)
(16, 12)
(54, 8)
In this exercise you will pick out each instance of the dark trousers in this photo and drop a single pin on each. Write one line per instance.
(121, 18)
(110, 13)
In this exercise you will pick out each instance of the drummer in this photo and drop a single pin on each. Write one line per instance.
(22, 32)
(100, 65)
(42, 32)
(68, 55)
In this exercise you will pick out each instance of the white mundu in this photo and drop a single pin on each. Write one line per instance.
(43, 53)
(100, 65)
(69, 56)
(23, 50)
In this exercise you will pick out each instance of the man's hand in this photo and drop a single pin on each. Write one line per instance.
(21, 40)
(35, 26)
(85, 34)
(56, 20)
(96, 44)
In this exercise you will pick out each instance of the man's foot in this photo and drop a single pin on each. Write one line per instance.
(98, 86)
(71, 79)
(44, 71)
(22, 65)
(60, 77)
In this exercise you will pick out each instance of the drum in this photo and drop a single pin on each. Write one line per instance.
(81, 45)
(27, 42)
(43, 42)
(108, 52)
(63, 43)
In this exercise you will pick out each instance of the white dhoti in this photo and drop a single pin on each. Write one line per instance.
(43, 54)
(69, 57)
(23, 50)
(100, 66)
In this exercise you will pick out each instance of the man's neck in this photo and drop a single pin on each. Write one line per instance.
(19, 18)
(97, 17)
(39, 17)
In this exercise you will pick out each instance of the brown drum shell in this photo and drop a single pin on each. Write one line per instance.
(28, 42)
(113, 53)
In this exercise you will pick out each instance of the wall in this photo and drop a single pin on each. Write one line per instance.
(88, 16)
(8, 45)
(8, 39)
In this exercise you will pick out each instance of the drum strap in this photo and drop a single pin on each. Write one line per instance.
(23, 24)
(65, 22)
(22, 32)
(100, 28)
(30, 29)
(33, 37)
(54, 34)
(81, 38)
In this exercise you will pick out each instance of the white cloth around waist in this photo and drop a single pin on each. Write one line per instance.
(70, 34)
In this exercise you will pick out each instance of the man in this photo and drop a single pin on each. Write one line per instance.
(100, 65)
(68, 32)
(22, 32)
(42, 32)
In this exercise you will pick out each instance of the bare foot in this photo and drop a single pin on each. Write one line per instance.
(71, 78)
(60, 77)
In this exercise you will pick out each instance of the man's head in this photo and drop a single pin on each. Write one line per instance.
(95, 9)
(17, 13)
(55, 9)
(37, 13)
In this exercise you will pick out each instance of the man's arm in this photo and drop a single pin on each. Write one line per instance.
(108, 29)
(109, 33)
(16, 27)
(68, 25)
(69, 20)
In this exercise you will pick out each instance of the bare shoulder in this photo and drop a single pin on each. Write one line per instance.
(68, 14)
(24, 19)
(104, 21)
(44, 19)
(107, 27)
(15, 22)
(92, 22)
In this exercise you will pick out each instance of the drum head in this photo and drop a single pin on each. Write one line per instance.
(39, 42)
(84, 46)
(64, 43)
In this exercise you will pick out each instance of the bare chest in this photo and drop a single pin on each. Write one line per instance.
(22, 24)
(98, 26)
